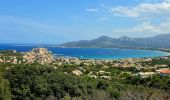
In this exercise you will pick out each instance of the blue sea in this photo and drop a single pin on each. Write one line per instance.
(88, 53)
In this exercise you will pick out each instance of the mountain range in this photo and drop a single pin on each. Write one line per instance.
(159, 41)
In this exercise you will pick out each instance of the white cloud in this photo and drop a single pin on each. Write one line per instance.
(143, 10)
(157, 14)
(92, 10)
(147, 28)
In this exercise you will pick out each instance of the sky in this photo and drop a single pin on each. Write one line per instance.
(60, 21)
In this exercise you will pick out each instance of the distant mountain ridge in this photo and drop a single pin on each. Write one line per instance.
(159, 41)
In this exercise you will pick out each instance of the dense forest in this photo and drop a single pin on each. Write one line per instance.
(44, 82)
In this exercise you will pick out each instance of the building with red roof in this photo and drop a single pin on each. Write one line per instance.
(165, 72)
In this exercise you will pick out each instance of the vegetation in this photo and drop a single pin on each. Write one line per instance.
(35, 81)
(55, 81)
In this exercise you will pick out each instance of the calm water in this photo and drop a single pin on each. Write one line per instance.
(90, 53)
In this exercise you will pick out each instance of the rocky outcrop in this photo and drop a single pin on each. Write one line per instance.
(40, 55)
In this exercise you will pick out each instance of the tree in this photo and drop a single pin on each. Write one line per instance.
(5, 91)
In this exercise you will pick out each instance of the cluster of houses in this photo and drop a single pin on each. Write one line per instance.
(43, 56)
(40, 55)
(125, 63)
(10, 59)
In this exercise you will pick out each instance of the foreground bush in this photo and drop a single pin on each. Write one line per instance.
(37, 82)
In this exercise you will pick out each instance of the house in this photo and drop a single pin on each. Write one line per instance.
(165, 72)
(77, 72)
(1, 60)
(146, 74)
(105, 77)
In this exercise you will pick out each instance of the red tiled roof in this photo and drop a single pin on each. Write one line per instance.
(165, 71)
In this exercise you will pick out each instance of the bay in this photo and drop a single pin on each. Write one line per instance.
(89, 53)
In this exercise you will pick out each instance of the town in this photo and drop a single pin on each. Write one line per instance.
(143, 67)
(40, 74)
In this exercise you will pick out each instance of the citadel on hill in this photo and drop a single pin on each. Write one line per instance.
(40, 55)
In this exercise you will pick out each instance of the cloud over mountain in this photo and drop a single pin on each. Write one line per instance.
(143, 10)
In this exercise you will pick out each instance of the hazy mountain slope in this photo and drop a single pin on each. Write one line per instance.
(159, 41)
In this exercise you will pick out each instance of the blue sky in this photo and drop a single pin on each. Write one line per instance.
(59, 21)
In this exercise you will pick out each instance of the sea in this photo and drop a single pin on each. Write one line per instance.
(88, 53)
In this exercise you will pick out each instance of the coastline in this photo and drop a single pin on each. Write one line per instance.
(107, 57)
(143, 49)
(103, 59)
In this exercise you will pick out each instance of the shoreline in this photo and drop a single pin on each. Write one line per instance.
(103, 59)
(167, 52)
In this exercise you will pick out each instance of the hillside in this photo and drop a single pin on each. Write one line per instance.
(159, 41)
